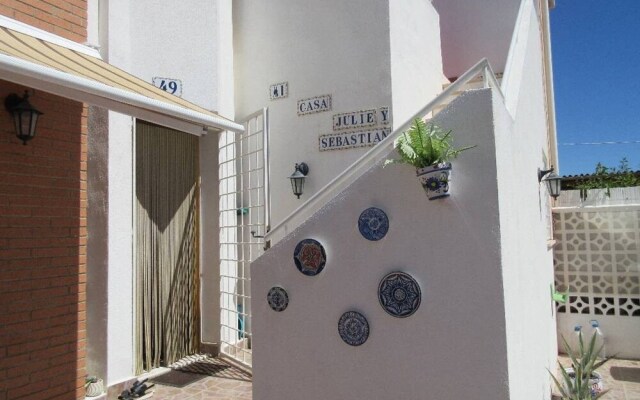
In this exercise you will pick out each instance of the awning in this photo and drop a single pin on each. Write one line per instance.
(77, 75)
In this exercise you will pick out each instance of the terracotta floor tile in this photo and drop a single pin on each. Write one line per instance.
(214, 388)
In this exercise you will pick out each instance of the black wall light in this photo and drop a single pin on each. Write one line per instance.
(25, 116)
(298, 177)
(552, 180)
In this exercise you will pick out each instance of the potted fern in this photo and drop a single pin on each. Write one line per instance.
(581, 381)
(429, 149)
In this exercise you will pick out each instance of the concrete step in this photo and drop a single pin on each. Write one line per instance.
(476, 83)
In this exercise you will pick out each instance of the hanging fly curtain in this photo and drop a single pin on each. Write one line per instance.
(167, 318)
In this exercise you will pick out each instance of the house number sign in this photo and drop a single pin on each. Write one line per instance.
(279, 90)
(172, 86)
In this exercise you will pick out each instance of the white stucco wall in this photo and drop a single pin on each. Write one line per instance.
(357, 51)
(620, 333)
(181, 41)
(97, 241)
(454, 346)
(120, 274)
(525, 229)
(416, 57)
(114, 20)
(190, 41)
(472, 30)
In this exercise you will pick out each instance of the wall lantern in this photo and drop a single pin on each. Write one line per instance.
(298, 177)
(552, 180)
(25, 116)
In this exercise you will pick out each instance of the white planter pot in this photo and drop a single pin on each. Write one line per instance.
(596, 384)
(435, 180)
(94, 389)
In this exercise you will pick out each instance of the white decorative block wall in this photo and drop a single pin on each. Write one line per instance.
(597, 260)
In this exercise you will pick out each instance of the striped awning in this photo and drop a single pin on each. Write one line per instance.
(82, 76)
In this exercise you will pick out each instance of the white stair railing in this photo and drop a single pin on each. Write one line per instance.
(378, 153)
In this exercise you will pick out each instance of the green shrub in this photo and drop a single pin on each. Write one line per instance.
(610, 177)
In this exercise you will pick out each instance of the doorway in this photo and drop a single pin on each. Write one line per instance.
(166, 258)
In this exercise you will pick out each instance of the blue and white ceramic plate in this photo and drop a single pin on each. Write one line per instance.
(353, 328)
(278, 298)
(373, 224)
(399, 294)
(310, 257)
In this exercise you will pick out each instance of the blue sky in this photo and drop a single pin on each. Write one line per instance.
(596, 62)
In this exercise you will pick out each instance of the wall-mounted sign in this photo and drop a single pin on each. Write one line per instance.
(173, 86)
(279, 90)
(385, 118)
(314, 104)
(348, 140)
(355, 119)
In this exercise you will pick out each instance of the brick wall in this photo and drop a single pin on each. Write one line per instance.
(66, 18)
(43, 230)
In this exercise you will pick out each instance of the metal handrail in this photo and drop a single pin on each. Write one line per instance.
(265, 160)
(377, 153)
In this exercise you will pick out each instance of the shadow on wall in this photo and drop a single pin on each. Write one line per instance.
(43, 251)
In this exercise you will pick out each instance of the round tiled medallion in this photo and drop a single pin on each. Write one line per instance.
(309, 257)
(353, 328)
(373, 223)
(399, 294)
(278, 298)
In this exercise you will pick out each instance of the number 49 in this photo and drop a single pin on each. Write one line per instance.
(168, 85)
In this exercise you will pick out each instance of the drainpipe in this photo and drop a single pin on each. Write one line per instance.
(548, 73)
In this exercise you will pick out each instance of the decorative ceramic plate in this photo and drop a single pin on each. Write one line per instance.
(310, 257)
(373, 223)
(278, 298)
(353, 328)
(399, 294)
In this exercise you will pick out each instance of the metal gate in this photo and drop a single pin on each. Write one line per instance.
(244, 219)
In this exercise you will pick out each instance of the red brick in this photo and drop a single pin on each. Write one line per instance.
(51, 332)
(29, 347)
(64, 221)
(16, 233)
(51, 232)
(56, 271)
(8, 319)
(20, 380)
(64, 261)
(30, 389)
(43, 234)
(15, 275)
(43, 242)
(14, 253)
(51, 252)
(29, 19)
(13, 363)
(15, 211)
(9, 12)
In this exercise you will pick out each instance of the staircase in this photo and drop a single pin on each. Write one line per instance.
(480, 75)
(475, 83)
